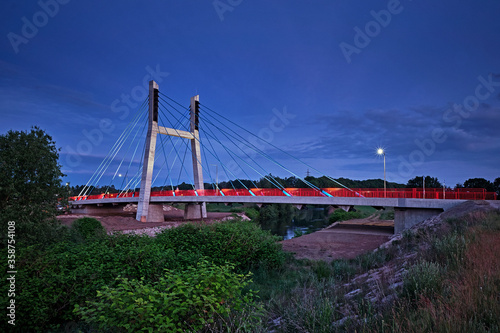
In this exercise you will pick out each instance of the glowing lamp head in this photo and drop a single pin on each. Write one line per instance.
(380, 151)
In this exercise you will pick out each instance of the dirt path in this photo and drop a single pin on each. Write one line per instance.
(342, 240)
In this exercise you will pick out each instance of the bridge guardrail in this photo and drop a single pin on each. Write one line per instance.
(409, 193)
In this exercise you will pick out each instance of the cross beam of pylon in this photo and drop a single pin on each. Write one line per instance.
(147, 212)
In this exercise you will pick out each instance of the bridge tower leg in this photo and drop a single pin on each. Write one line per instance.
(196, 211)
(147, 212)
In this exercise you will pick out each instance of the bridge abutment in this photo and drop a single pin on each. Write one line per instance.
(405, 218)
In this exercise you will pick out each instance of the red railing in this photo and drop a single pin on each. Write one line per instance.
(412, 193)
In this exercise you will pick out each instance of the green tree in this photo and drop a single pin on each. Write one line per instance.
(30, 185)
(479, 183)
(430, 182)
(496, 185)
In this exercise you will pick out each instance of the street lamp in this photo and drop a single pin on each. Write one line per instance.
(381, 151)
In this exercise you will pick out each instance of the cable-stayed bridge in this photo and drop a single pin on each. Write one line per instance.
(173, 149)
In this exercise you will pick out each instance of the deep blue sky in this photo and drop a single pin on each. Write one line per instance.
(395, 86)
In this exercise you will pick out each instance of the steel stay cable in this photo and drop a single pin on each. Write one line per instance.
(86, 188)
(132, 159)
(121, 162)
(272, 180)
(306, 164)
(201, 144)
(102, 165)
(177, 132)
(256, 149)
(170, 139)
(117, 150)
(231, 155)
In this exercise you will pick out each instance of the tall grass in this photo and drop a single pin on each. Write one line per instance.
(451, 284)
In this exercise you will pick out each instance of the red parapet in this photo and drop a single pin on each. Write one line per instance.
(410, 193)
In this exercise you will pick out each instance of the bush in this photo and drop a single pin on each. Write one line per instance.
(448, 250)
(183, 300)
(342, 215)
(30, 187)
(240, 242)
(52, 279)
(252, 213)
(88, 227)
(49, 282)
(423, 279)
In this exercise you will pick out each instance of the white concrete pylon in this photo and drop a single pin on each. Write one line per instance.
(193, 211)
(149, 155)
(196, 154)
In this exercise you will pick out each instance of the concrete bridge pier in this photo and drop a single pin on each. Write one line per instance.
(195, 211)
(405, 218)
(155, 213)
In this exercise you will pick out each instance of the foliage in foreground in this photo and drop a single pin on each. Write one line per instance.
(242, 243)
(188, 299)
(52, 280)
(30, 186)
(87, 227)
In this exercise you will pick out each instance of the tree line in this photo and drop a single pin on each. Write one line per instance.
(271, 181)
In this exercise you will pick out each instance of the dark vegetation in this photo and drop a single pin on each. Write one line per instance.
(30, 186)
(90, 274)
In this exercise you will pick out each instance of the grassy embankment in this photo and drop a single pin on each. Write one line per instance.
(444, 280)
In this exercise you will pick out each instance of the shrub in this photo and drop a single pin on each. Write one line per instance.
(50, 281)
(373, 259)
(448, 250)
(252, 213)
(240, 242)
(88, 227)
(183, 300)
(343, 269)
(342, 215)
(423, 279)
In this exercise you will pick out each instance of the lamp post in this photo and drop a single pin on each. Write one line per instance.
(381, 151)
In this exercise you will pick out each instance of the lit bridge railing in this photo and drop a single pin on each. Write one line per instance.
(410, 193)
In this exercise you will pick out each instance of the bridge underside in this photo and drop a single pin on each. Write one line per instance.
(408, 212)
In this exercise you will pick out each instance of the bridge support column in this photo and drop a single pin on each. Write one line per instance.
(195, 211)
(155, 213)
(197, 167)
(405, 218)
(149, 155)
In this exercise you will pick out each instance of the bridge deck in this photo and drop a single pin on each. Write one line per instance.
(334, 201)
